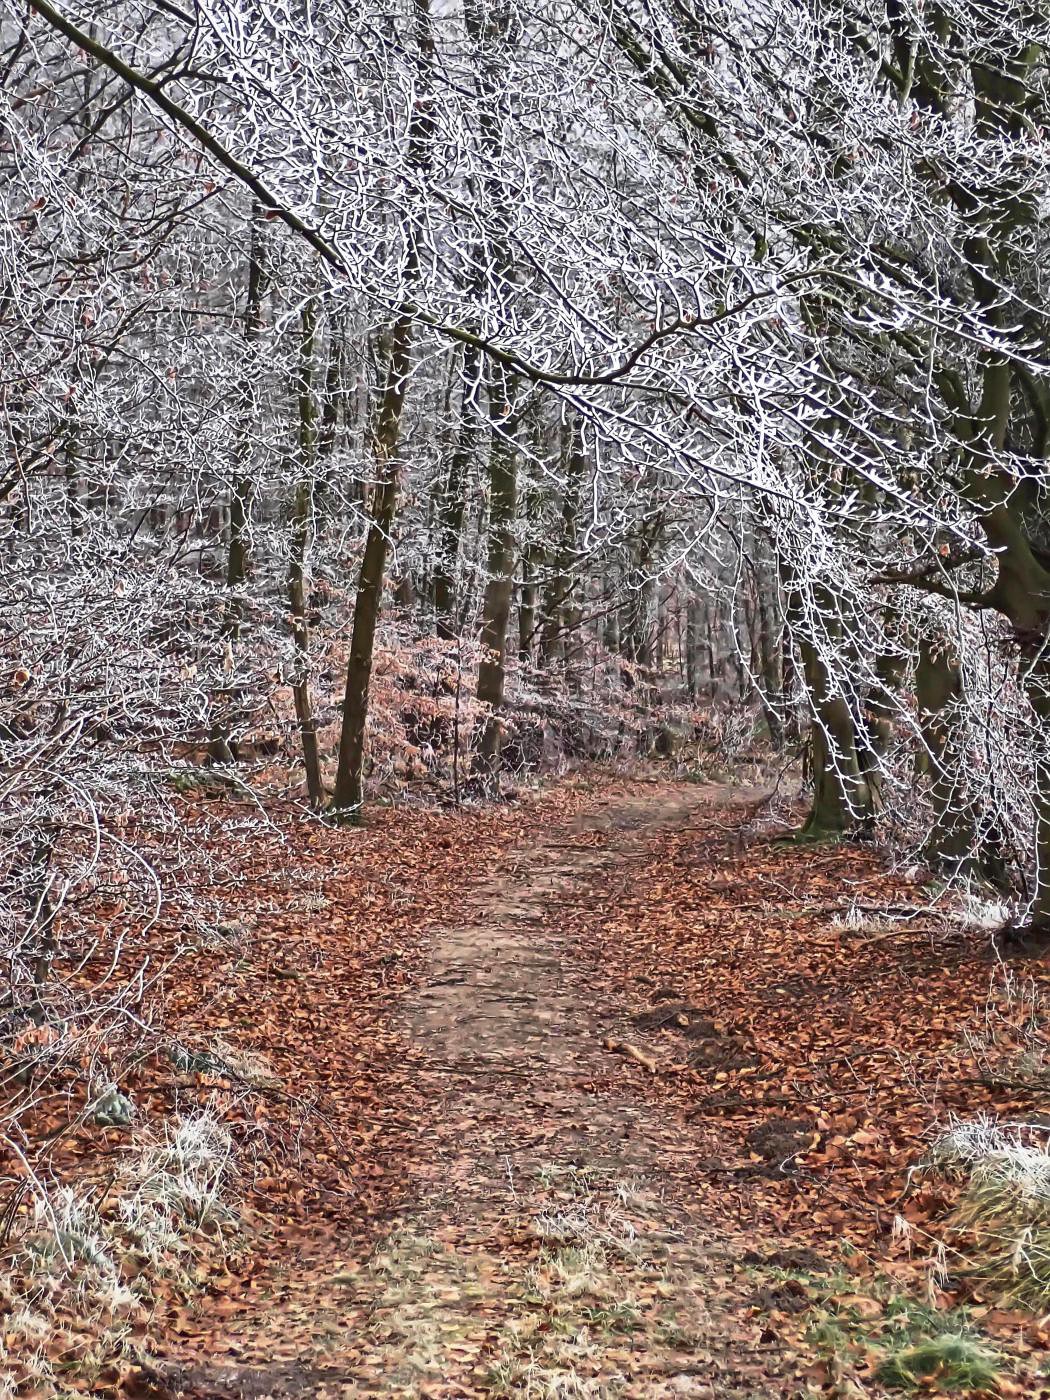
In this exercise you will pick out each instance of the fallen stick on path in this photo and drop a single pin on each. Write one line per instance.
(633, 1053)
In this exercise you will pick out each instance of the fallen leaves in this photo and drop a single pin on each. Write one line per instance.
(793, 1065)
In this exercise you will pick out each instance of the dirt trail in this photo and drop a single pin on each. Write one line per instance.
(549, 1252)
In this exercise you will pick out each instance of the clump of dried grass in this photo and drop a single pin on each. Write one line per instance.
(83, 1265)
(999, 1230)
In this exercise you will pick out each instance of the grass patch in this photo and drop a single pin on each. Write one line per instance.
(552, 1319)
(531, 1379)
(951, 1362)
(599, 1276)
(553, 1304)
(1010, 1040)
(999, 1231)
(622, 1316)
(996, 1239)
(81, 1275)
(875, 1331)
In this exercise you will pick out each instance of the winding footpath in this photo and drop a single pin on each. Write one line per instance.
(550, 1250)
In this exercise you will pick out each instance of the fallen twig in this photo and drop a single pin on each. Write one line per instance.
(632, 1052)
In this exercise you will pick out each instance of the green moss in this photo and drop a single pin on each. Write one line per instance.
(206, 781)
(828, 1335)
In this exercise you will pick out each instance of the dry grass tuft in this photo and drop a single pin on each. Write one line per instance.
(84, 1268)
(999, 1231)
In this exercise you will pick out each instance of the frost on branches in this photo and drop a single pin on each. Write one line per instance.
(437, 388)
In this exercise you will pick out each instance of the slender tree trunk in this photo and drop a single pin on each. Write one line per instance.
(1037, 684)
(745, 664)
(611, 631)
(453, 503)
(242, 494)
(660, 644)
(328, 428)
(492, 28)
(691, 644)
(875, 733)
(349, 782)
(499, 586)
(298, 572)
(639, 623)
(938, 689)
(1022, 595)
(770, 652)
(43, 919)
(841, 799)
(302, 528)
(242, 489)
(527, 605)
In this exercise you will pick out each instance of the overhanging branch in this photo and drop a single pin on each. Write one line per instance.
(329, 253)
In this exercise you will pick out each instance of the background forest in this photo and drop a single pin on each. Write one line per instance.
(403, 401)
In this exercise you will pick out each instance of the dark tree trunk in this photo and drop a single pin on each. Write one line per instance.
(453, 503)
(527, 606)
(302, 529)
(558, 592)
(953, 841)
(499, 587)
(242, 488)
(349, 782)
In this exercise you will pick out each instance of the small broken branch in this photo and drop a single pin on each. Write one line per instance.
(632, 1052)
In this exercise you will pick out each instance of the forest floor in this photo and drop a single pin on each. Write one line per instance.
(609, 1092)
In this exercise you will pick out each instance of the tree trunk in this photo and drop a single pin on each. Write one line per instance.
(611, 631)
(242, 489)
(349, 782)
(453, 503)
(1037, 678)
(499, 586)
(1022, 595)
(557, 594)
(527, 605)
(692, 644)
(298, 569)
(332, 398)
(770, 652)
(875, 731)
(638, 625)
(841, 799)
(238, 561)
(715, 660)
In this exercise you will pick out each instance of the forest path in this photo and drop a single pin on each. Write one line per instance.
(550, 1251)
